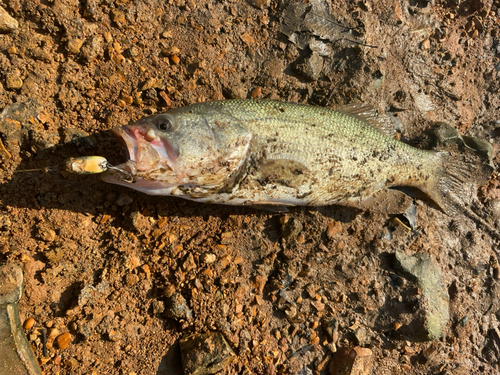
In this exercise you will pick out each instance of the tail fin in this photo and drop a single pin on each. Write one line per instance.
(457, 180)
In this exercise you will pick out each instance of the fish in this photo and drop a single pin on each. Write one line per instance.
(265, 152)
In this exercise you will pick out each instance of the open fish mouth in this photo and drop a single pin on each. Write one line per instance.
(146, 149)
(144, 152)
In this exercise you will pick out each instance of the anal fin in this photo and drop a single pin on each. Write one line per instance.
(387, 201)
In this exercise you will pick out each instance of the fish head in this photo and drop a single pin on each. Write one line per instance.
(180, 152)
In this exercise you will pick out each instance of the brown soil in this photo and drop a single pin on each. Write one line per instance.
(102, 262)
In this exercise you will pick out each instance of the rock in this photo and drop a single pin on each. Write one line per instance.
(13, 81)
(131, 279)
(18, 128)
(158, 307)
(333, 229)
(7, 23)
(426, 44)
(302, 22)
(351, 361)
(237, 91)
(16, 354)
(62, 341)
(481, 148)
(46, 233)
(93, 48)
(90, 294)
(177, 307)
(260, 4)
(114, 335)
(189, 264)
(445, 136)
(226, 238)
(74, 45)
(362, 335)
(290, 227)
(208, 258)
(427, 274)
(323, 49)
(11, 284)
(29, 323)
(494, 208)
(205, 353)
(118, 17)
(305, 371)
(411, 216)
(311, 67)
(423, 102)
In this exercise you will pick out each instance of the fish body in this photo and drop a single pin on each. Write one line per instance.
(251, 152)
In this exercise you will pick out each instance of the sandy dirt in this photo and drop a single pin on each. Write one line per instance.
(128, 275)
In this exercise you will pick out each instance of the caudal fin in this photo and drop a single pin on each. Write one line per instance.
(457, 180)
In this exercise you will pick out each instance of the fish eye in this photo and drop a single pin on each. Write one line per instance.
(164, 124)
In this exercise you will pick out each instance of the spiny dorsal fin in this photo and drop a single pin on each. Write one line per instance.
(370, 115)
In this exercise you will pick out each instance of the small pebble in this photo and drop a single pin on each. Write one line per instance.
(131, 279)
(54, 332)
(226, 238)
(333, 228)
(175, 59)
(171, 51)
(189, 263)
(260, 4)
(118, 17)
(13, 81)
(29, 323)
(426, 44)
(71, 363)
(7, 23)
(208, 258)
(127, 99)
(256, 93)
(177, 307)
(147, 271)
(62, 341)
(74, 45)
(114, 335)
(46, 234)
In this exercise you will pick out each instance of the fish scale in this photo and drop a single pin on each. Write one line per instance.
(314, 136)
(251, 152)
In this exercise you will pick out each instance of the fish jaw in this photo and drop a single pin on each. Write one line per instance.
(145, 152)
(143, 146)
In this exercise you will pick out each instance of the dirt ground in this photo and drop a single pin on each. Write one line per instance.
(129, 275)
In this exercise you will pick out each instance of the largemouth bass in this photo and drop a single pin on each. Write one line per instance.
(262, 152)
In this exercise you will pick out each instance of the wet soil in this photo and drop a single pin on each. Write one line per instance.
(108, 264)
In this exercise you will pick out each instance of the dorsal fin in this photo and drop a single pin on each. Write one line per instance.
(370, 115)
